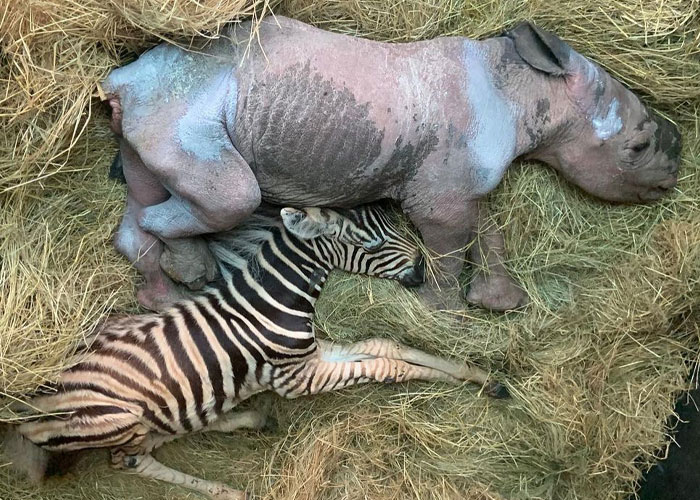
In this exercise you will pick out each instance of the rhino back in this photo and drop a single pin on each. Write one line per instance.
(299, 123)
(330, 119)
(168, 74)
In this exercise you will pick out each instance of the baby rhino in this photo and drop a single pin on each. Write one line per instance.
(145, 380)
(303, 117)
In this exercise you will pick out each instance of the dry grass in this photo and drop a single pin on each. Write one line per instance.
(594, 363)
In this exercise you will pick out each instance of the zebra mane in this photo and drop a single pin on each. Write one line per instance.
(238, 247)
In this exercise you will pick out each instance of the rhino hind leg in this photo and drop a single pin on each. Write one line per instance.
(141, 248)
(185, 260)
(144, 251)
(207, 196)
(190, 179)
(189, 261)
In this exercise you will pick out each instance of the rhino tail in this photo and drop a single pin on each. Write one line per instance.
(116, 169)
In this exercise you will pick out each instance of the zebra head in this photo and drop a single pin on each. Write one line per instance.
(361, 240)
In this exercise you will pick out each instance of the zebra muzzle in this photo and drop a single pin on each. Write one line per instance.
(416, 276)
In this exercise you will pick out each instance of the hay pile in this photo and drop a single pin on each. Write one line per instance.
(594, 362)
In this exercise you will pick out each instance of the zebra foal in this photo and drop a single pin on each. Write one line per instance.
(144, 380)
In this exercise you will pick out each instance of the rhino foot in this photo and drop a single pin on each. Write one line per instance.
(159, 293)
(189, 261)
(496, 292)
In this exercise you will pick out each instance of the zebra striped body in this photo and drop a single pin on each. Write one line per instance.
(143, 380)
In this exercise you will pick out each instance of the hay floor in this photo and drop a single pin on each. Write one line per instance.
(594, 363)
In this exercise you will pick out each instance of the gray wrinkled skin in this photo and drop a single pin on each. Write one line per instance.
(302, 117)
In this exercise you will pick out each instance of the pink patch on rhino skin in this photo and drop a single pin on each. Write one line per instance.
(116, 120)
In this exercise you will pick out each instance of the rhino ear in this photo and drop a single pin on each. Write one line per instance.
(542, 50)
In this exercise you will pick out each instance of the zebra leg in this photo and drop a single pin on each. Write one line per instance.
(147, 466)
(339, 366)
(325, 376)
(231, 421)
(388, 350)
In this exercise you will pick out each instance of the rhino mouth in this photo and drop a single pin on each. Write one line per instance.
(657, 192)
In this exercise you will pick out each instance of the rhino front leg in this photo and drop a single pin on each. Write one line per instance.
(449, 227)
(492, 287)
(446, 228)
(141, 248)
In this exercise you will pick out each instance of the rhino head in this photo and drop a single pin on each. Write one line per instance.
(606, 140)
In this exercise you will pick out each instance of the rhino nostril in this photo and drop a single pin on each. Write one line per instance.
(668, 183)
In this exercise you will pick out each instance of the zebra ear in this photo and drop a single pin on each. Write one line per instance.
(308, 223)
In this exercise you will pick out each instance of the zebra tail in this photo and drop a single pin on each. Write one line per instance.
(26, 457)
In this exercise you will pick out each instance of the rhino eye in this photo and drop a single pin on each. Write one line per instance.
(638, 148)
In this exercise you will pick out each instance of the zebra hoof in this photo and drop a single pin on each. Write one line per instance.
(227, 494)
(496, 390)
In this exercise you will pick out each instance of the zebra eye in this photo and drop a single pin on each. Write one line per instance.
(373, 246)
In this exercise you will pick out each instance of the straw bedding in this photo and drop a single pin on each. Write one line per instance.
(594, 363)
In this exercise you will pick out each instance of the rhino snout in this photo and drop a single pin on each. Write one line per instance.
(669, 183)
(669, 139)
(662, 173)
(668, 144)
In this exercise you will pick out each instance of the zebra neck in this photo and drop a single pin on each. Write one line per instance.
(289, 271)
(308, 264)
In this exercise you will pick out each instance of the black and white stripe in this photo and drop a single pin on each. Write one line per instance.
(179, 371)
